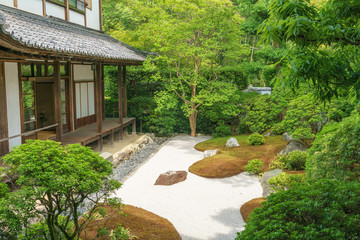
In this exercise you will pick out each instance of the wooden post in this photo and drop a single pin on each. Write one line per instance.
(98, 102)
(120, 91)
(134, 127)
(103, 92)
(125, 93)
(100, 15)
(57, 94)
(67, 9)
(44, 7)
(4, 146)
(15, 3)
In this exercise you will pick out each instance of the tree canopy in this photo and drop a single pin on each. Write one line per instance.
(56, 181)
(324, 44)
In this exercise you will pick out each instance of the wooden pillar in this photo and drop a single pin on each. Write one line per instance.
(44, 7)
(120, 92)
(57, 94)
(15, 3)
(134, 127)
(103, 91)
(67, 10)
(4, 146)
(98, 102)
(125, 92)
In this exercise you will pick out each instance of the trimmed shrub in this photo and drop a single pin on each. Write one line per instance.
(278, 129)
(256, 139)
(327, 209)
(277, 163)
(284, 181)
(4, 189)
(295, 160)
(222, 131)
(254, 166)
(335, 153)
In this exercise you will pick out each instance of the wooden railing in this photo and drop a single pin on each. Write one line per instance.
(29, 133)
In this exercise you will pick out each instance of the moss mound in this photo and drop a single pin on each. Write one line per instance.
(232, 161)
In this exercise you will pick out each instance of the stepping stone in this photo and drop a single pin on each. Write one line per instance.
(171, 177)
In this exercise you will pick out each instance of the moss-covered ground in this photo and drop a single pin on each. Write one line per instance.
(141, 223)
(232, 161)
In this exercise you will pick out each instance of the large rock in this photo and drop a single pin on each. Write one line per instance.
(293, 146)
(232, 142)
(171, 177)
(269, 133)
(287, 137)
(265, 181)
(106, 155)
(209, 153)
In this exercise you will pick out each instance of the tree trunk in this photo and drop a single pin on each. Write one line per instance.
(192, 120)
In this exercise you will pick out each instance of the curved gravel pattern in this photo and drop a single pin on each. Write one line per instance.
(199, 208)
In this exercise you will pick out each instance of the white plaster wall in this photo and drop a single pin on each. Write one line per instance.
(9, 3)
(33, 6)
(76, 17)
(55, 10)
(13, 103)
(83, 72)
(92, 16)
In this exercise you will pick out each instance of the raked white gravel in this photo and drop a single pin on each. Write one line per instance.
(199, 208)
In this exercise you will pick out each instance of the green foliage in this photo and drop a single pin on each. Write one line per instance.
(56, 180)
(4, 189)
(295, 160)
(256, 139)
(278, 129)
(284, 181)
(324, 40)
(205, 33)
(304, 118)
(222, 131)
(254, 166)
(335, 152)
(321, 210)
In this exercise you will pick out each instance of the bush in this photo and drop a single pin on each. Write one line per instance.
(4, 189)
(327, 209)
(254, 166)
(335, 153)
(278, 129)
(284, 181)
(278, 162)
(222, 131)
(256, 139)
(295, 160)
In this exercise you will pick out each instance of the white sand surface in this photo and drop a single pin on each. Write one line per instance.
(199, 208)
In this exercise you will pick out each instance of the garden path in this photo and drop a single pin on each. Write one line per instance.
(199, 208)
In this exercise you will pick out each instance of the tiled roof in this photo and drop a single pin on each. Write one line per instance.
(55, 35)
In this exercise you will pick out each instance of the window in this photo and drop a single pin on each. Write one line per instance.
(77, 5)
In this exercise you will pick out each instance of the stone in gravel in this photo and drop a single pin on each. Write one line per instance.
(209, 153)
(292, 146)
(232, 142)
(171, 177)
(287, 137)
(106, 155)
(265, 181)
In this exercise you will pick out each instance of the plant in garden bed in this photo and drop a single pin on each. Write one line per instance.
(256, 139)
(326, 209)
(56, 181)
(231, 161)
(254, 166)
(335, 153)
(284, 181)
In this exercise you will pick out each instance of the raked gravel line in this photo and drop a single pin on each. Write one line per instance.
(199, 208)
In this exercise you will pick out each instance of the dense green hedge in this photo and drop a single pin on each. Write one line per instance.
(335, 153)
(323, 210)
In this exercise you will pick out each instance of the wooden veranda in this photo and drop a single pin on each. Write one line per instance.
(89, 134)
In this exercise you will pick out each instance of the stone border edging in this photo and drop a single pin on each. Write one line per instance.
(146, 160)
